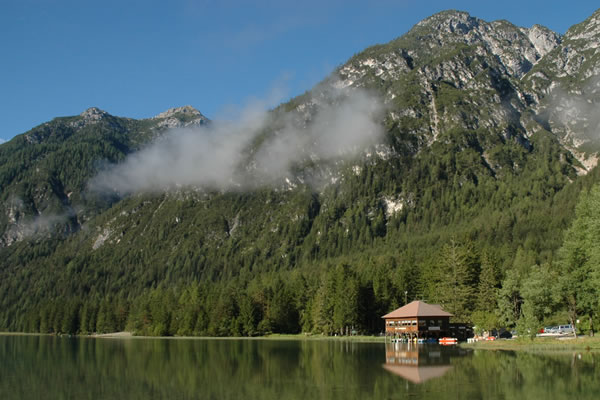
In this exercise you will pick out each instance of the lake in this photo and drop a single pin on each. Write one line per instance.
(47, 367)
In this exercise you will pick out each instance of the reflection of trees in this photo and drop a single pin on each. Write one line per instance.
(50, 367)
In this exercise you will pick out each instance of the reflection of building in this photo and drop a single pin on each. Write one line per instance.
(418, 364)
(424, 321)
(417, 374)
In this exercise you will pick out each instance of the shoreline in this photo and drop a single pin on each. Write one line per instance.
(129, 335)
(584, 343)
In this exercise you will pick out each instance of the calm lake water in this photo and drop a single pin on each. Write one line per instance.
(45, 367)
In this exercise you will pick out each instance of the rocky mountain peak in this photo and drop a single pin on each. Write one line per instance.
(543, 39)
(451, 21)
(517, 48)
(574, 61)
(186, 110)
(588, 28)
(179, 117)
(564, 85)
(93, 114)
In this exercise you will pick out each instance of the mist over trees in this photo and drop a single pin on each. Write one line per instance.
(326, 262)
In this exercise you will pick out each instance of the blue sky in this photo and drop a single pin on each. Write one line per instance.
(137, 58)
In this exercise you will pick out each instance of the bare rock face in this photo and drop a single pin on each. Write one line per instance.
(517, 48)
(588, 30)
(565, 88)
(580, 52)
(187, 110)
(496, 71)
(454, 22)
(575, 59)
(93, 114)
(428, 48)
(460, 72)
(180, 117)
(450, 73)
(543, 39)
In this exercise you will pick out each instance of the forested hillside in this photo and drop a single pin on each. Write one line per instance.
(466, 194)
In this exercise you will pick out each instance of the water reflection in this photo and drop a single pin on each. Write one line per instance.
(81, 368)
(418, 363)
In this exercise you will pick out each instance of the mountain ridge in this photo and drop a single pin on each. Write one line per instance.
(471, 154)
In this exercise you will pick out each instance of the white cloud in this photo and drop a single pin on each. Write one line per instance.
(254, 148)
(578, 113)
(23, 225)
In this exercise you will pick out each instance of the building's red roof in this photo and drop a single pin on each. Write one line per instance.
(418, 309)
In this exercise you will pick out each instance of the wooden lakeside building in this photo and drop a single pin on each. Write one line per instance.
(419, 320)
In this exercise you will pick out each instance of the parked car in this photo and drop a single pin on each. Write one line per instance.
(564, 329)
(551, 329)
(504, 334)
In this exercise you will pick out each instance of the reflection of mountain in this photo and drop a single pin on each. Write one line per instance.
(419, 363)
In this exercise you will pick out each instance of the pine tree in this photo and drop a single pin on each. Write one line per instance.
(509, 299)
(487, 290)
(458, 276)
(580, 259)
(485, 317)
(346, 307)
(538, 291)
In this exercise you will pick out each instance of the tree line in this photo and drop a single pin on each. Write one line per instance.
(339, 297)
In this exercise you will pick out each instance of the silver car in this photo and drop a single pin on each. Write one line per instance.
(563, 329)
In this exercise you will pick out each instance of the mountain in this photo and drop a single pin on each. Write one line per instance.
(565, 86)
(462, 143)
(44, 171)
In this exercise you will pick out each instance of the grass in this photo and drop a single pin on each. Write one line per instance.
(538, 344)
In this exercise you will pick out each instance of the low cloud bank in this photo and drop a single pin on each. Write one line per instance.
(255, 148)
(22, 226)
(578, 112)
